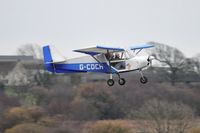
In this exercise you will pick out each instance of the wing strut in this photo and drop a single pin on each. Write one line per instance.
(109, 61)
(96, 59)
(138, 51)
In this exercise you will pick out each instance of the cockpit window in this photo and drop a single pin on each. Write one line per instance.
(117, 56)
(118, 59)
(125, 55)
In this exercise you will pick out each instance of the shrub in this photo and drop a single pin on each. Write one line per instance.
(194, 130)
(165, 117)
(27, 128)
(26, 114)
(18, 115)
(82, 109)
(53, 121)
(110, 127)
(103, 100)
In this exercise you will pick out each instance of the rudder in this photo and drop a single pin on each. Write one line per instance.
(47, 54)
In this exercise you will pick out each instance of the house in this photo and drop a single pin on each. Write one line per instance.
(15, 58)
(18, 70)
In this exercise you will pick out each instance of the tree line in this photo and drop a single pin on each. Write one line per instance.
(56, 107)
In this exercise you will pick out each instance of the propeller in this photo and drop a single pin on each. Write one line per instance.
(150, 58)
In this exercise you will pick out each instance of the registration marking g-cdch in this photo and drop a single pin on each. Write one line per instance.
(91, 67)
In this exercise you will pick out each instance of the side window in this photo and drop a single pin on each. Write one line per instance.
(114, 56)
(120, 56)
(119, 60)
(125, 55)
(117, 56)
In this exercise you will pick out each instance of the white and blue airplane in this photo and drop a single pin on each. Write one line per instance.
(102, 59)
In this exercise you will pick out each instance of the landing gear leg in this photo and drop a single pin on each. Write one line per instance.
(121, 81)
(143, 79)
(111, 82)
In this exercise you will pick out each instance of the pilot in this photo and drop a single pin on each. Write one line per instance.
(112, 56)
(109, 56)
(117, 56)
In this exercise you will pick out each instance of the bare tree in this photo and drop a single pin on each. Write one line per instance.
(197, 63)
(41, 78)
(19, 76)
(164, 117)
(170, 57)
(30, 50)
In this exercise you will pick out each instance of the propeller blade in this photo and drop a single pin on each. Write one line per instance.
(150, 58)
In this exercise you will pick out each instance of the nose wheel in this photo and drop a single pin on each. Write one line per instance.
(143, 80)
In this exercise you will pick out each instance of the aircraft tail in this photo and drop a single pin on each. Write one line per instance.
(51, 55)
(51, 58)
(47, 54)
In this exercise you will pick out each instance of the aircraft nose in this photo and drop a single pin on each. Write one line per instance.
(150, 58)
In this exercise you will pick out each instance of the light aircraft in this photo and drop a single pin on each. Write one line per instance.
(102, 59)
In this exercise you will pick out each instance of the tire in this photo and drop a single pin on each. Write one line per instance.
(143, 80)
(121, 81)
(110, 82)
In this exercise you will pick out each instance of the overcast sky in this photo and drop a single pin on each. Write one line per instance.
(72, 24)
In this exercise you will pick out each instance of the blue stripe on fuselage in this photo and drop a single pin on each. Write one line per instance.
(79, 67)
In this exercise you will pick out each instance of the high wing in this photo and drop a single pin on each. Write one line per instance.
(100, 50)
(138, 48)
(94, 50)
(142, 46)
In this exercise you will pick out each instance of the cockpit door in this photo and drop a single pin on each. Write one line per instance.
(119, 60)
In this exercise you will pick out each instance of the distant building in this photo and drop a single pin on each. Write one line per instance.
(15, 58)
(18, 70)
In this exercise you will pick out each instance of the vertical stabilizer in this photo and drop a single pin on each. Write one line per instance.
(52, 55)
(47, 54)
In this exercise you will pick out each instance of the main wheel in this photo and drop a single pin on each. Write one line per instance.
(110, 82)
(121, 81)
(143, 80)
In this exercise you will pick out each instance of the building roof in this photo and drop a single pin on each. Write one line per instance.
(11, 58)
